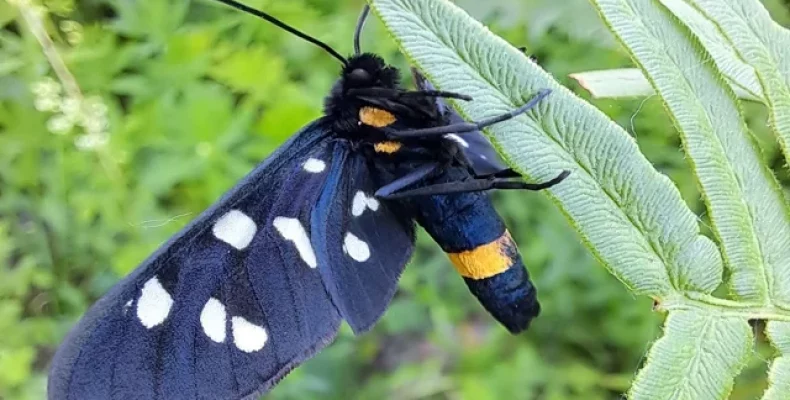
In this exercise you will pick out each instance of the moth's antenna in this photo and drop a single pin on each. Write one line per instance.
(283, 25)
(360, 25)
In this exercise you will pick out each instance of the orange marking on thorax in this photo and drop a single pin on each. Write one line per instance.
(375, 117)
(388, 147)
(486, 260)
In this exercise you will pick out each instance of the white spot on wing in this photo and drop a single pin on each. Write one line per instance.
(212, 319)
(291, 229)
(356, 248)
(458, 139)
(154, 304)
(235, 228)
(361, 202)
(247, 336)
(314, 165)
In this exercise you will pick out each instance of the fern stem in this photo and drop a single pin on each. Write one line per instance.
(723, 307)
(34, 22)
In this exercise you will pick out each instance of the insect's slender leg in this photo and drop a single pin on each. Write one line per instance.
(436, 93)
(406, 180)
(394, 94)
(477, 185)
(467, 126)
(505, 173)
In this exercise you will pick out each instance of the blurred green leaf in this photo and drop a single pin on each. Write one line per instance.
(15, 365)
(254, 71)
(7, 13)
(154, 20)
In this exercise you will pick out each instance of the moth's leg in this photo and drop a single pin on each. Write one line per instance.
(436, 93)
(477, 185)
(466, 126)
(505, 173)
(394, 94)
(412, 177)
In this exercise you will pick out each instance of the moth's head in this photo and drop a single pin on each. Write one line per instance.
(368, 70)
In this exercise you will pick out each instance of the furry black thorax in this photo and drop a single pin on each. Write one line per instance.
(381, 75)
(369, 71)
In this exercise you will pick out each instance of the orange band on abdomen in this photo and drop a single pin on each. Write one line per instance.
(485, 260)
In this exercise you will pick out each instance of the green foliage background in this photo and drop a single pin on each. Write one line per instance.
(197, 94)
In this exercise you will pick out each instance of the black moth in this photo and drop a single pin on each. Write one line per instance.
(318, 233)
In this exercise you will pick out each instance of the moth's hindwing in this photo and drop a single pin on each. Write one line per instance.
(475, 146)
(364, 243)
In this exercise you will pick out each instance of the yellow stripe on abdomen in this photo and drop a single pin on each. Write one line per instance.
(485, 260)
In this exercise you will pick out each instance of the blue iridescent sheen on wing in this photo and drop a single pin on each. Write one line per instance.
(363, 244)
(237, 299)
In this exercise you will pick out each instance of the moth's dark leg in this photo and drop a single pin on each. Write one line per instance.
(394, 94)
(505, 173)
(477, 185)
(406, 180)
(467, 126)
(436, 93)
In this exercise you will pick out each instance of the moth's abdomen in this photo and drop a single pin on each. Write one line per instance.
(496, 275)
(470, 231)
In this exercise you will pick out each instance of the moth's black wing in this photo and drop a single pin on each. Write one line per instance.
(362, 243)
(227, 307)
(477, 148)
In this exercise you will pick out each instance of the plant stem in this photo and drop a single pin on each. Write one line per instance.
(723, 307)
(32, 18)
